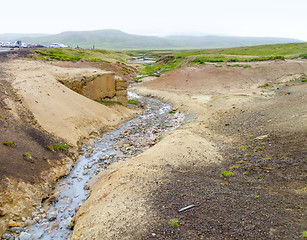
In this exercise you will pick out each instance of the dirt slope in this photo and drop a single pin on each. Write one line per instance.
(257, 133)
(35, 112)
(58, 109)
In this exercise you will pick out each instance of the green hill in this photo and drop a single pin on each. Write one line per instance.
(107, 39)
(18, 36)
(115, 39)
(196, 42)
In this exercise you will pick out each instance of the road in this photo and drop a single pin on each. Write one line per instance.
(4, 49)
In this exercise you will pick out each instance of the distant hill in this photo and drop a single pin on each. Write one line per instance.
(115, 39)
(18, 36)
(195, 42)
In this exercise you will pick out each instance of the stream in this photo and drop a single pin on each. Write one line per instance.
(53, 219)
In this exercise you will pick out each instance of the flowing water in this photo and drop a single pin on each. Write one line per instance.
(53, 221)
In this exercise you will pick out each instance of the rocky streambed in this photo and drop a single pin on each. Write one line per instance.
(54, 219)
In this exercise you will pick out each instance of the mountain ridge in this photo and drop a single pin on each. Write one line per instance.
(116, 39)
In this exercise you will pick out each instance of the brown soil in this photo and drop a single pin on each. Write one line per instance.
(31, 102)
(18, 125)
(121, 70)
(266, 196)
(234, 123)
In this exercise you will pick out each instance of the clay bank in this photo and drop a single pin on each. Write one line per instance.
(38, 111)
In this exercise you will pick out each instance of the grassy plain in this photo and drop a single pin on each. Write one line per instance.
(168, 60)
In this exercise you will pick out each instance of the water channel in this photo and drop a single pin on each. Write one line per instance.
(53, 221)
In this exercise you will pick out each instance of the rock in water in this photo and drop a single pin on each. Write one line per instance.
(6, 236)
(52, 216)
(25, 236)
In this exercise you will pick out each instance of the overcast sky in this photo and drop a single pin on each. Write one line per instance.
(263, 18)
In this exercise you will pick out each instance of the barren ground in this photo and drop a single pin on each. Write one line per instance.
(35, 112)
(234, 123)
(251, 122)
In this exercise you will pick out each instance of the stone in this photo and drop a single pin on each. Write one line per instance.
(17, 229)
(53, 197)
(29, 222)
(25, 236)
(12, 224)
(52, 215)
(262, 137)
(73, 221)
(6, 236)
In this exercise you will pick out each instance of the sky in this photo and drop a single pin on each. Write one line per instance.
(260, 18)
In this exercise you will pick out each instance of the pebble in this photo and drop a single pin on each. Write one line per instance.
(67, 223)
(17, 229)
(29, 222)
(6, 236)
(12, 224)
(37, 235)
(52, 215)
(25, 236)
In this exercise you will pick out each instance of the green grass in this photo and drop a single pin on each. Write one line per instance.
(158, 69)
(304, 234)
(60, 55)
(226, 174)
(133, 101)
(59, 146)
(27, 156)
(304, 80)
(264, 85)
(173, 222)
(75, 55)
(170, 60)
(51, 148)
(8, 143)
(243, 148)
(288, 50)
(239, 65)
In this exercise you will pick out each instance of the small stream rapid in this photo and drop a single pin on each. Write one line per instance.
(53, 220)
